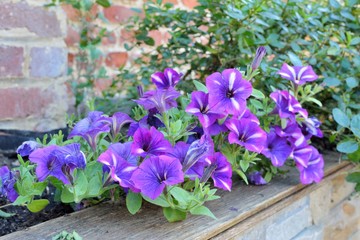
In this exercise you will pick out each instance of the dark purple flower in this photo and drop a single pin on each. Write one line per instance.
(155, 173)
(197, 150)
(90, 127)
(149, 142)
(7, 182)
(154, 121)
(311, 127)
(122, 164)
(314, 171)
(143, 123)
(27, 147)
(287, 105)
(247, 134)
(260, 53)
(58, 161)
(199, 106)
(228, 91)
(220, 171)
(293, 134)
(167, 79)
(256, 178)
(161, 99)
(298, 74)
(117, 121)
(302, 155)
(277, 149)
(198, 132)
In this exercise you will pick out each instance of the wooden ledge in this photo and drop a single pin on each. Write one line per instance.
(108, 221)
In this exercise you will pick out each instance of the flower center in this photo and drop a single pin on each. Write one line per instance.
(230, 93)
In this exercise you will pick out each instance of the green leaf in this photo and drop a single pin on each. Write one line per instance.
(332, 82)
(181, 195)
(355, 41)
(200, 86)
(353, 177)
(22, 200)
(314, 100)
(295, 60)
(133, 202)
(202, 210)
(347, 146)
(257, 94)
(352, 82)
(5, 214)
(66, 196)
(355, 156)
(340, 117)
(37, 205)
(335, 4)
(80, 185)
(160, 201)
(174, 215)
(244, 165)
(355, 125)
(242, 175)
(104, 3)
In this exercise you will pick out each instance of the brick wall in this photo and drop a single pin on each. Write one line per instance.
(33, 66)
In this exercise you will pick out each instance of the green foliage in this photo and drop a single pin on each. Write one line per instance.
(133, 202)
(5, 214)
(64, 235)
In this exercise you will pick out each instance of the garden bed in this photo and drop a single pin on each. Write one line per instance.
(237, 212)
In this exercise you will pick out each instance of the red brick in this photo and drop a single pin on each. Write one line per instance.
(11, 61)
(119, 14)
(101, 85)
(20, 102)
(116, 59)
(48, 62)
(72, 37)
(190, 3)
(157, 36)
(175, 2)
(38, 20)
(71, 13)
(109, 39)
(127, 36)
(71, 59)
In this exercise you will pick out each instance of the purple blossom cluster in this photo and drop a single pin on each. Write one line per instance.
(7, 182)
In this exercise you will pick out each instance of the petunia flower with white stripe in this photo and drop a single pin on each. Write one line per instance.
(314, 171)
(298, 74)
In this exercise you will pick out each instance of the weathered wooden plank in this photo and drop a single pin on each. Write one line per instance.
(108, 221)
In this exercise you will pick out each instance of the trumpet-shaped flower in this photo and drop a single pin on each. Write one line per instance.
(311, 127)
(247, 134)
(90, 127)
(117, 121)
(169, 78)
(297, 74)
(197, 149)
(220, 171)
(277, 149)
(286, 105)
(314, 171)
(155, 173)
(27, 147)
(149, 142)
(256, 178)
(7, 182)
(161, 99)
(292, 133)
(122, 164)
(228, 91)
(199, 106)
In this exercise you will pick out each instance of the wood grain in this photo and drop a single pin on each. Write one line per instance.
(108, 221)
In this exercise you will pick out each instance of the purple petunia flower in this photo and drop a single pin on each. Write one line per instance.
(167, 79)
(155, 173)
(122, 164)
(117, 121)
(228, 91)
(7, 182)
(302, 155)
(90, 127)
(27, 147)
(136, 125)
(220, 171)
(311, 127)
(199, 106)
(247, 134)
(293, 134)
(260, 53)
(247, 114)
(161, 99)
(58, 161)
(314, 171)
(298, 74)
(197, 149)
(277, 149)
(216, 128)
(149, 142)
(198, 132)
(287, 105)
(256, 178)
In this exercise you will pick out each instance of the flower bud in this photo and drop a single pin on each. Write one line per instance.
(197, 149)
(260, 53)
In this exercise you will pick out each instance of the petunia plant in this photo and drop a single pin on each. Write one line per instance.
(176, 150)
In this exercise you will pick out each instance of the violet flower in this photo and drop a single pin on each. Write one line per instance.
(220, 171)
(247, 134)
(293, 134)
(298, 74)
(216, 128)
(314, 171)
(196, 151)
(311, 127)
(228, 91)
(247, 114)
(256, 178)
(149, 142)
(7, 182)
(122, 164)
(199, 106)
(302, 155)
(198, 132)
(90, 127)
(155, 173)
(260, 53)
(277, 149)
(287, 105)
(143, 123)
(117, 121)
(167, 79)
(27, 147)
(161, 99)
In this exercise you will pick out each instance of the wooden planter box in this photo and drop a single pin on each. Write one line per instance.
(284, 209)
